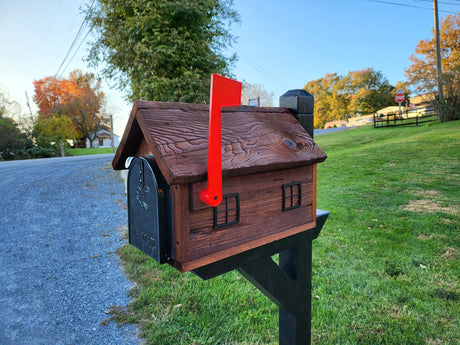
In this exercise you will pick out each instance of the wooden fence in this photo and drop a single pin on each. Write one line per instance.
(404, 118)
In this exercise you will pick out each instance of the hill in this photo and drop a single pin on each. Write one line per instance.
(385, 266)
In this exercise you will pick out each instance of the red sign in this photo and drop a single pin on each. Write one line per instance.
(399, 97)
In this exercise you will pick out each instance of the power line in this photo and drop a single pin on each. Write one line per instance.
(69, 51)
(440, 2)
(77, 36)
(261, 70)
(78, 48)
(407, 5)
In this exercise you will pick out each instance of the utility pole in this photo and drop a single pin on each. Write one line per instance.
(111, 133)
(438, 49)
(28, 105)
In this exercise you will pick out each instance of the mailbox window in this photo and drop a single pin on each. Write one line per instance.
(228, 212)
(291, 196)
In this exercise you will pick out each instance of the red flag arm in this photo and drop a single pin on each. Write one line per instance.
(225, 92)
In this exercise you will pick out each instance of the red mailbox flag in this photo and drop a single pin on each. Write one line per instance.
(225, 92)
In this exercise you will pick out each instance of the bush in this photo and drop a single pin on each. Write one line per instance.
(43, 152)
(448, 109)
(13, 143)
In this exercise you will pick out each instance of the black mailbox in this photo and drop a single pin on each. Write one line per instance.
(149, 210)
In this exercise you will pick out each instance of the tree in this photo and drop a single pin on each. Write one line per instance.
(79, 98)
(368, 91)
(162, 50)
(326, 97)
(51, 93)
(358, 93)
(253, 91)
(13, 142)
(422, 74)
(55, 129)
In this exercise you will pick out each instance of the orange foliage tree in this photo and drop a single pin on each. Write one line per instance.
(79, 98)
(422, 73)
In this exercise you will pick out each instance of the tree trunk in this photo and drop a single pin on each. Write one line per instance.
(61, 145)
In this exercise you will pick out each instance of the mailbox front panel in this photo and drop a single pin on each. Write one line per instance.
(147, 211)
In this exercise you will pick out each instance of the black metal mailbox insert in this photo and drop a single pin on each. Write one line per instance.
(149, 205)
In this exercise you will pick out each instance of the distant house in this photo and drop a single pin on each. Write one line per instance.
(388, 110)
(336, 123)
(360, 120)
(103, 138)
(423, 100)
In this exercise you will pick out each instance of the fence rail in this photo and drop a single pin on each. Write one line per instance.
(404, 118)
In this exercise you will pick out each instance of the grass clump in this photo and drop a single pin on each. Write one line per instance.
(386, 265)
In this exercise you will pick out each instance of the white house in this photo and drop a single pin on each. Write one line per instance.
(103, 138)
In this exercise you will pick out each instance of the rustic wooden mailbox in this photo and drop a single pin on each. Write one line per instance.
(269, 181)
(268, 196)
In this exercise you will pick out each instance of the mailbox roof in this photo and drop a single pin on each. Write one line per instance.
(253, 140)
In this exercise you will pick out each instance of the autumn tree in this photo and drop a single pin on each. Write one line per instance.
(79, 98)
(329, 103)
(422, 74)
(357, 93)
(368, 91)
(51, 93)
(163, 50)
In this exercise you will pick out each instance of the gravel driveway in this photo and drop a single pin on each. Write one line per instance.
(60, 222)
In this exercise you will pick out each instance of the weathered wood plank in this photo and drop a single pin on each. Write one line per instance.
(180, 222)
(177, 133)
(252, 140)
(205, 260)
(261, 212)
(255, 183)
(314, 191)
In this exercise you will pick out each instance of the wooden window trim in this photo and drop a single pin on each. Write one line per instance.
(290, 195)
(224, 202)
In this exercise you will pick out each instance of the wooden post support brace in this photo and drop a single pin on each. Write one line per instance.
(288, 284)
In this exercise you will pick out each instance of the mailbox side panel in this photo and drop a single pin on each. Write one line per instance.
(261, 218)
(181, 238)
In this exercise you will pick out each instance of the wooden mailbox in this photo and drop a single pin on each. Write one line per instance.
(269, 181)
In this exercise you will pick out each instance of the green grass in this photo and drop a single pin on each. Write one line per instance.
(91, 151)
(386, 266)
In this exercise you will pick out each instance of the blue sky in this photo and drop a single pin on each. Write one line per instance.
(281, 44)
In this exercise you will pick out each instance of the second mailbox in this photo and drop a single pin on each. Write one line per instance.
(269, 181)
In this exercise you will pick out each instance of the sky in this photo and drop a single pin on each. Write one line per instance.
(281, 45)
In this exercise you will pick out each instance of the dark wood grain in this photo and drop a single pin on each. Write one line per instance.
(238, 249)
(253, 140)
(181, 225)
(262, 149)
(260, 211)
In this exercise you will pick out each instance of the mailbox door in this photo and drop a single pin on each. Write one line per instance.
(146, 211)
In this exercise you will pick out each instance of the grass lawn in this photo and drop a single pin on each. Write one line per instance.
(91, 151)
(386, 266)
